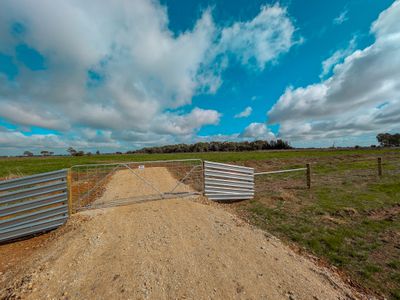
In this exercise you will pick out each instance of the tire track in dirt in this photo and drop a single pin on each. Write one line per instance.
(169, 249)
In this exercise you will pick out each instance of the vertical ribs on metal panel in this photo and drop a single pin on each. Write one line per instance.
(225, 182)
(32, 204)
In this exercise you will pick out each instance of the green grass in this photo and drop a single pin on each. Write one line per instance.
(353, 226)
(28, 166)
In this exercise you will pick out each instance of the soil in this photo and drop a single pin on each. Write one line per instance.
(169, 249)
(176, 248)
(388, 213)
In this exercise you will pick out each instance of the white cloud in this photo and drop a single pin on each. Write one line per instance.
(257, 38)
(245, 113)
(257, 131)
(340, 19)
(145, 69)
(31, 116)
(361, 97)
(186, 124)
(336, 58)
(15, 143)
(12, 139)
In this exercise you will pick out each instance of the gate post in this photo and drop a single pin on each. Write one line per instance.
(69, 192)
(204, 178)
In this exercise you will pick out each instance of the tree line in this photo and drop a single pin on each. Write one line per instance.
(216, 147)
(384, 140)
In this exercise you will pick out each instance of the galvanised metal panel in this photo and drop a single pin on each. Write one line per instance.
(213, 165)
(35, 216)
(222, 197)
(31, 180)
(33, 192)
(228, 183)
(229, 175)
(224, 192)
(33, 204)
(29, 229)
(222, 188)
(224, 182)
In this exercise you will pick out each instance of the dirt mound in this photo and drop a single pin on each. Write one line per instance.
(168, 249)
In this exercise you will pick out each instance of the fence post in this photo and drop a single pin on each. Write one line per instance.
(380, 166)
(69, 185)
(204, 178)
(308, 174)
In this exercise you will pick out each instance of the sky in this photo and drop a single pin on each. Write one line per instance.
(126, 74)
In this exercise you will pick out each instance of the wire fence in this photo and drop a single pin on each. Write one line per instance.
(101, 185)
(294, 176)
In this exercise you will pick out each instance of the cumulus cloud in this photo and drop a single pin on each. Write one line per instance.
(256, 39)
(119, 68)
(15, 143)
(245, 113)
(12, 139)
(30, 116)
(361, 97)
(258, 131)
(186, 124)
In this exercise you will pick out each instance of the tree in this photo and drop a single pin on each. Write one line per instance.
(97, 152)
(45, 153)
(28, 153)
(388, 140)
(71, 151)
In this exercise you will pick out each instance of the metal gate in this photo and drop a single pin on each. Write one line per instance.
(33, 204)
(225, 182)
(104, 185)
(41, 202)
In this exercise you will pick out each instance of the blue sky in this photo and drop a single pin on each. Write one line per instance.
(120, 75)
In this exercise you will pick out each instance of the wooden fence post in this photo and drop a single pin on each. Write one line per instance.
(308, 176)
(380, 166)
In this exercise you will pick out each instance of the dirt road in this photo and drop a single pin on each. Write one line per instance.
(168, 249)
(140, 183)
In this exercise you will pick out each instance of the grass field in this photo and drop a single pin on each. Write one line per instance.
(16, 166)
(350, 217)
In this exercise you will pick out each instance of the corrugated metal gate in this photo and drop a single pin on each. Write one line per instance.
(33, 204)
(228, 182)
